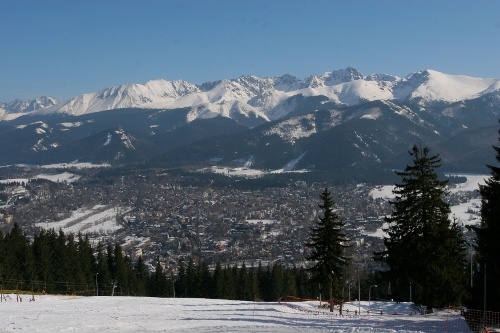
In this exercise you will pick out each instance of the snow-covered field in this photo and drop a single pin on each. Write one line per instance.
(467, 212)
(60, 177)
(135, 314)
(100, 219)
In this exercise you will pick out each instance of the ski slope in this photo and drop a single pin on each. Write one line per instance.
(135, 314)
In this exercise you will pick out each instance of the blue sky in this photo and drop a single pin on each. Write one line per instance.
(64, 48)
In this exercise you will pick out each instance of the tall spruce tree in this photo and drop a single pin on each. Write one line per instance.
(488, 241)
(328, 243)
(424, 251)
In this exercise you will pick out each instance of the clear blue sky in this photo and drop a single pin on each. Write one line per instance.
(64, 48)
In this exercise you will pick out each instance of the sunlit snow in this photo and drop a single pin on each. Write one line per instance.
(49, 313)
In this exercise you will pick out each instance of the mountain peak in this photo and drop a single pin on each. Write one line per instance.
(271, 97)
(20, 107)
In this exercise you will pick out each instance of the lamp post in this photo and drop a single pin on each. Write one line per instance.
(369, 295)
(96, 285)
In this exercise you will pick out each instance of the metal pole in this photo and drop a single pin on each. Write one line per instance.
(369, 296)
(359, 292)
(470, 264)
(96, 285)
(484, 305)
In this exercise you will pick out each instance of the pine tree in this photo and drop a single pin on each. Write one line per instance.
(243, 284)
(488, 244)
(103, 274)
(41, 253)
(19, 266)
(277, 283)
(120, 278)
(158, 286)
(328, 243)
(141, 275)
(192, 280)
(206, 285)
(424, 251)
(86, 260)
(254, 284)
(218, 282)
(181, 285)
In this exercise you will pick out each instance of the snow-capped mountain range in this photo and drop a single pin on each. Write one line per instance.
(267, 98)
(342, 123)
(17, 107)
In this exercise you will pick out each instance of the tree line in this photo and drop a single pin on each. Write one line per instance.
(55, 262)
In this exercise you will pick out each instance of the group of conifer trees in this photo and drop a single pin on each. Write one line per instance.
(54, 262)
(425, 252)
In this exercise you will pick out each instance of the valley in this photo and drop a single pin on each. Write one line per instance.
(171, 216)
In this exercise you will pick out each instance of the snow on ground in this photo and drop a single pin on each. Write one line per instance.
(257, 221)
(100, 219)
(60, 177)
(467, 213)
(472, 183)
(77, 165)
(50, 313)
(251, 173)
(239, 172)
(382, 192)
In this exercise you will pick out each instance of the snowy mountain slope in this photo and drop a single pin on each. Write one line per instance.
(431, 86)
(265, 98)
(125, 96)
(17, 108)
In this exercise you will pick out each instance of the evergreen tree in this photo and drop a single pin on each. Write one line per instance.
(75, 275)
(277, 283)
(229, 280)
(181, 285)
(424, 251)
(192, 280)
(41, 254)
(254, 284)
(488, 244)
(141, 275)
(243, 288)
(301, 281)
(328, 243)
(289, 283)
(158, 283)
(218, 281)
(103, 273)
(19, 268)
(87, 261)
(265, 285)
(205, 279)
(120, 276)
